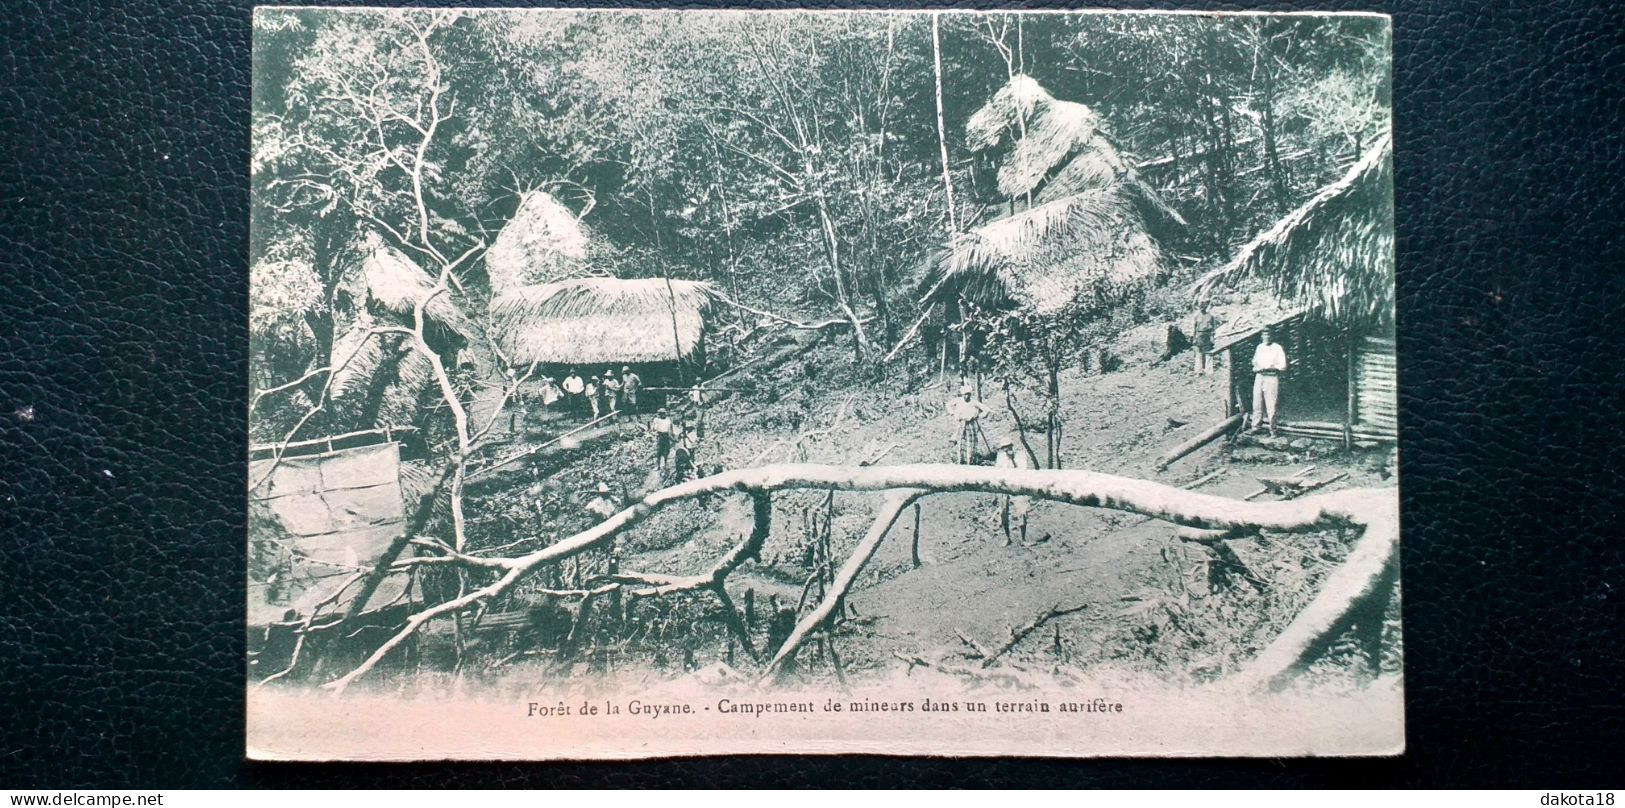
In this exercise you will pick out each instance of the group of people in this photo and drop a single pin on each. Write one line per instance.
(595, 394)
(966, 413)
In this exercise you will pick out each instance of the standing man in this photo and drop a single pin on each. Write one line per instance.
(574, 389)
(696, 396)
(612, 392)
(661, 428)
(594, 396)
(1203, 327)
(1011, 457)
(631, 383)
(685, 444)
(966, 415)
(1269, 363)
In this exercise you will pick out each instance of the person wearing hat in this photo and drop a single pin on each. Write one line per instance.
(966, 415)
(602, 505)
(685, 443)
(595, 396)
(612, 392)
(1011, 455)
(550, 392)
(1269, 363)
(574, 389)
(661, 427)
(631, 383)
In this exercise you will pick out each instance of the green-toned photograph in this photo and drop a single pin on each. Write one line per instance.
(651, 384)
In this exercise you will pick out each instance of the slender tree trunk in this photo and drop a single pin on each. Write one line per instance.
(942, 134)
(1054, 414)
(1272, 152)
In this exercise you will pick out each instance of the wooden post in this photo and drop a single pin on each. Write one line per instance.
(1230, 405)
(1353, 388)
(914, 549)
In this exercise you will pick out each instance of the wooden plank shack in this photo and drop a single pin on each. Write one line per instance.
(1339, 385)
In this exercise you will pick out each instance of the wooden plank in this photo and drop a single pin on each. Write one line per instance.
(1207, 436)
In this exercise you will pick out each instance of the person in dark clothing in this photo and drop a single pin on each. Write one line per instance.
(1203, 326)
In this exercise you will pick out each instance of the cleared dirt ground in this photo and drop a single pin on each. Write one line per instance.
(1150, 603)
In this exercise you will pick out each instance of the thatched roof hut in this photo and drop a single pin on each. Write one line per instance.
(1084, 236)
(1330, 261)
(396, 284)
(1090, 245)
(594, 321)
(1334, 254)
(378, 380)
(1057, 149)
(543, 243)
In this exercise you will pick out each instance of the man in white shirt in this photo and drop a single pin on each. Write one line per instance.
(611, 392)
(574, 387)
(661, 428)
(1010, 456)
(1269, 362)
(631, 383)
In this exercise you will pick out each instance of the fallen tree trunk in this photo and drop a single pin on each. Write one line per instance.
(1373, 509)
(1208, 436)
(1357, 586)
(826, 609)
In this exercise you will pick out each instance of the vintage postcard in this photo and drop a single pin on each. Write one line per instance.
(643, 384)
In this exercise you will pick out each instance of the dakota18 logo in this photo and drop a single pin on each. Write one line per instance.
(1599, 798)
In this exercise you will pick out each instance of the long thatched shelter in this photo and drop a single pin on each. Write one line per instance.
(1075, 224)
(605, 321)
(1330, 261)
(1334, 254)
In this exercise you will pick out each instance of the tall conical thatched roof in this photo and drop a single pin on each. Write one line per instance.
(1084, 239)
(603, 320)
(542, 243)
(1334, 254)
(1056, 150)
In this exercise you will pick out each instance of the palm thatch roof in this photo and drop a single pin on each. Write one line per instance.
(377, 381)
(1084, 239)
(1334, 254)
(603, 320)
(1086, 248)
(1057, 149)
(396, 283)
(542, 243)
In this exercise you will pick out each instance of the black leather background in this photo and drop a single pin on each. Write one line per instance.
(122, 377)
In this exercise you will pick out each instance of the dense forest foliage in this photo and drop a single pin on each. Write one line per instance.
(435, 192)
(801, 163)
